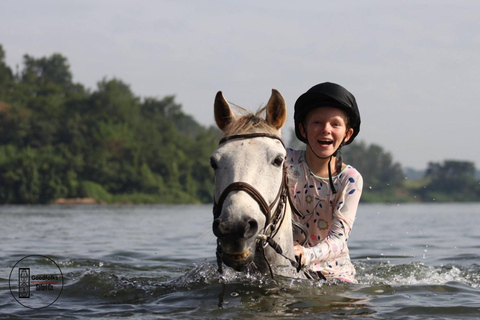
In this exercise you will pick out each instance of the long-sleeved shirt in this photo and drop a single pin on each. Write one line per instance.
(328, 217)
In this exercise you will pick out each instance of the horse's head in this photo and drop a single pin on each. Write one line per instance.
(248, 168)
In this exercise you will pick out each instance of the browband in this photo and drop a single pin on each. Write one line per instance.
(250, 136)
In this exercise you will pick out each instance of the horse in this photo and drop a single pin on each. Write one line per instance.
(252, 212)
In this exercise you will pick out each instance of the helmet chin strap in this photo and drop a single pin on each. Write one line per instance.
(337, 154)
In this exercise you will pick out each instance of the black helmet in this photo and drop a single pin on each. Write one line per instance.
(327, 94)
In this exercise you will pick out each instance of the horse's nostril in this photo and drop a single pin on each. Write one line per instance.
(242, 229)
(251, 228)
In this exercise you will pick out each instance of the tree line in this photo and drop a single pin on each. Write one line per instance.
(386, 181)
(59, 139)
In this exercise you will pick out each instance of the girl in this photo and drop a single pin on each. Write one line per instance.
(325, 191)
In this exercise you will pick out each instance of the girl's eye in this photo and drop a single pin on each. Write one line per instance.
(278, 161)
(213, 164)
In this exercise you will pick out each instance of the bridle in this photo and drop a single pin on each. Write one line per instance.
(274, 212)
(249, 189)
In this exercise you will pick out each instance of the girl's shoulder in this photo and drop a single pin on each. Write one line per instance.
(350, 173)
(350, 170)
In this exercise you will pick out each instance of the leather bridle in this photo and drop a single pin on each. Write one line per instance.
(273, 216)
(251, 191)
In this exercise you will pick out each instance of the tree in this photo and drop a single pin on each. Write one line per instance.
(6, 79)
(379, 170)
(47, 74)
(452, 179)
(58, 140)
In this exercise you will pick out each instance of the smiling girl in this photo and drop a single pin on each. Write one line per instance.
(324, 190)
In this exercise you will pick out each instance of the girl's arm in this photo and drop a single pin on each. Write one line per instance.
(343, 217)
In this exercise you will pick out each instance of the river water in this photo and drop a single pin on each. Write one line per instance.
(414, 261)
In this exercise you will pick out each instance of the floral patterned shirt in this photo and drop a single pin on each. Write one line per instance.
(328, 217)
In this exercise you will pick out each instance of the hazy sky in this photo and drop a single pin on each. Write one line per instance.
(413, 66)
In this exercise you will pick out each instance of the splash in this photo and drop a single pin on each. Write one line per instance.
(414, 273)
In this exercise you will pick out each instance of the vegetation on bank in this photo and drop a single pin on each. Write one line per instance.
(385, 180)
(59, 139)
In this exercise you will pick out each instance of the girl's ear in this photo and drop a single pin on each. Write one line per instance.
(348, 134)
(302, 130)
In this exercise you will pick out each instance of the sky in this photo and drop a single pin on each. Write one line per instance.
(413, 66)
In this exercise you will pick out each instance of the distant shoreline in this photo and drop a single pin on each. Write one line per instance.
(75, 201)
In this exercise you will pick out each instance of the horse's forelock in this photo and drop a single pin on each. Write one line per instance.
(250, 123)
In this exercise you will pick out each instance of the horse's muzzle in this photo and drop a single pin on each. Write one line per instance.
(229, 230)
(237, 240)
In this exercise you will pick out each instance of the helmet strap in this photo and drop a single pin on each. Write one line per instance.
(330, 179)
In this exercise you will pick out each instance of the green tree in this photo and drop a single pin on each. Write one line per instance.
(383, 178)
(47, 75)
(379, 170)
(6, 79)
(20, 181)
(451, 180)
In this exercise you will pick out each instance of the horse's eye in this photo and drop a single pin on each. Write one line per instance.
(278, 161)
(213, 164)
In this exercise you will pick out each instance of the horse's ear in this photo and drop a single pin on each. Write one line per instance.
(276, 110)
(223, 112)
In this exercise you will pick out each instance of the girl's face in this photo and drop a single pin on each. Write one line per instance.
(325, 129)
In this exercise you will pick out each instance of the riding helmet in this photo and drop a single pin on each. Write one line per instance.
(327, 94)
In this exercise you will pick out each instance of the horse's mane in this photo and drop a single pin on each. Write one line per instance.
(250, 123)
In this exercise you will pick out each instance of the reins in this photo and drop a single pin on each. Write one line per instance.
(273, 221)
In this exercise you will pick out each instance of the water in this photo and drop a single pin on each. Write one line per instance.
(157, 262)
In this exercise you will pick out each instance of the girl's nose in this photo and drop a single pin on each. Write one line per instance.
(325, 128)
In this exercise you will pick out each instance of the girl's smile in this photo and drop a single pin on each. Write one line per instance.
(326, 129)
